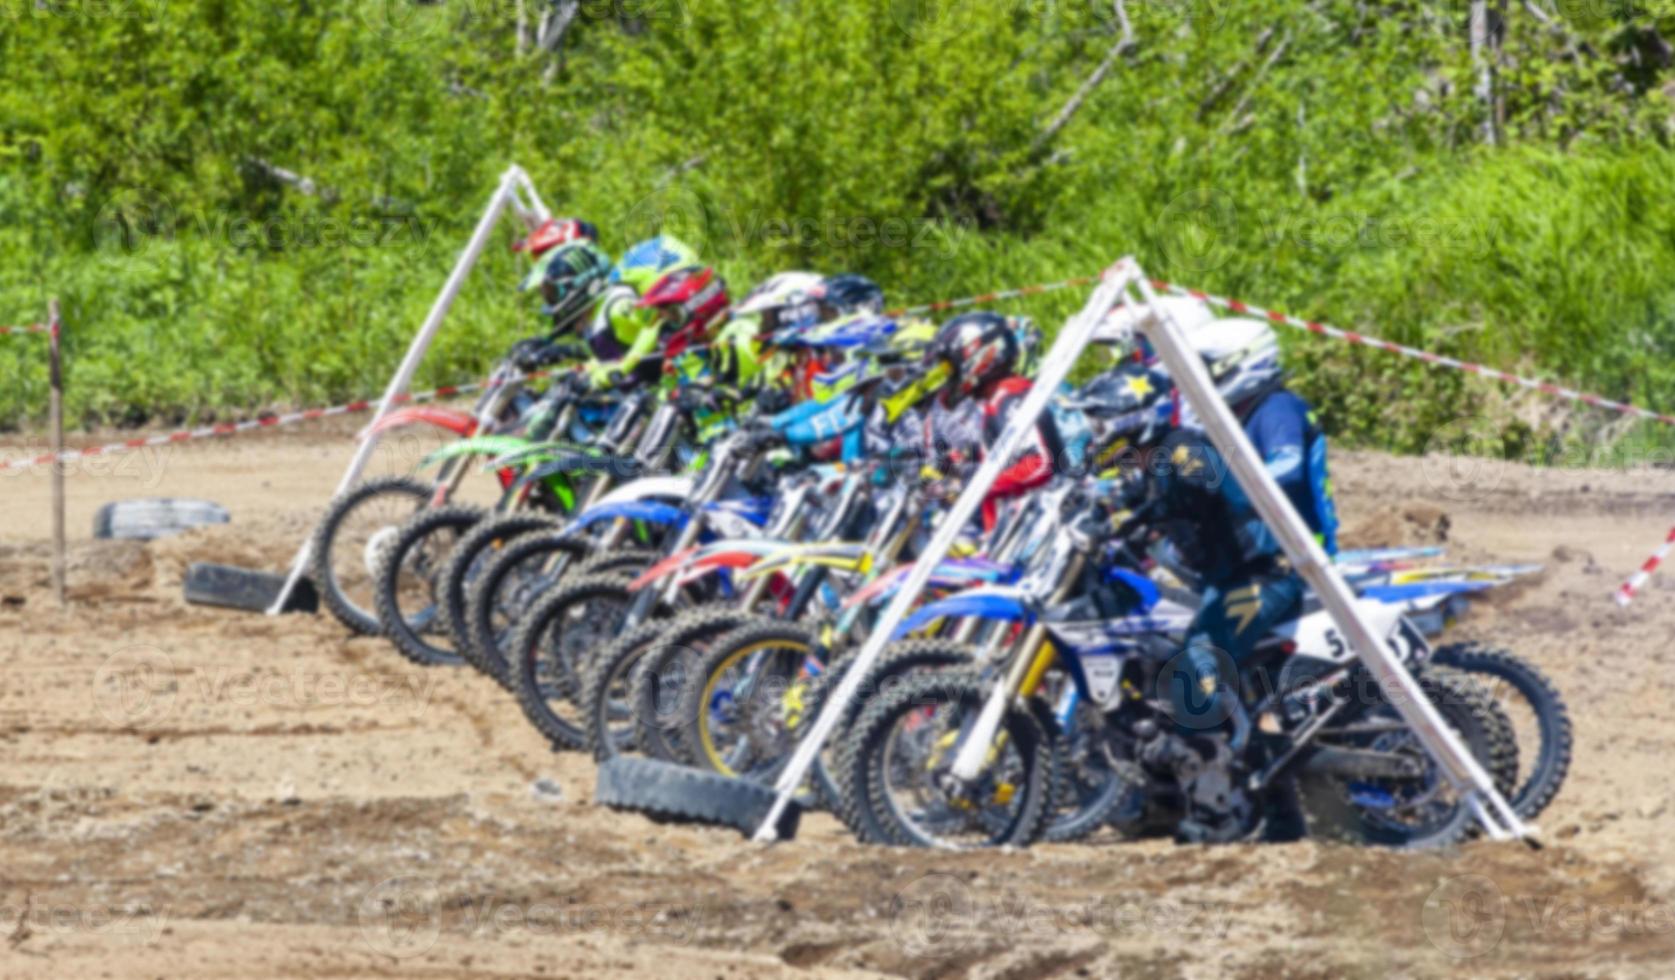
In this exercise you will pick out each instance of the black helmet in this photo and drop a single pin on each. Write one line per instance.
(570, 278)
(851, 293)
(979, 348)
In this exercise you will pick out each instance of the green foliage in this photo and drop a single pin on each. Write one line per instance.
(1325, 158)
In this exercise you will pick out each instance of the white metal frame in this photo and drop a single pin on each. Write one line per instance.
(515, 191)
(1125, 281)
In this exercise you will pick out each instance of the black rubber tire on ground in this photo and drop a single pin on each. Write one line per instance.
(1507, 674)
(619, 664)
(862, 778)
(1487, 733)
(486, 601)
(671, 793)
(545, 679)
(468, 559)
(420, 637)
(362, 619)
(150, 518)
(898, 661)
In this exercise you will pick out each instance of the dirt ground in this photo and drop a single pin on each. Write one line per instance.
(188, 792)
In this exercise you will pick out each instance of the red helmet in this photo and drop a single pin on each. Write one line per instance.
(554, 232)
(688, 300)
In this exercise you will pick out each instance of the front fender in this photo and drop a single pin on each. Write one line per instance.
(492, 446)
(581, 463)
(455, 421)
(1000, 603)
(651, 487)
(647, 511)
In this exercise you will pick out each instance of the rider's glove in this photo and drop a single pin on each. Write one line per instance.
(599, 374)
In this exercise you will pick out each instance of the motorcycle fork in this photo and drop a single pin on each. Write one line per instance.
(1033, 656)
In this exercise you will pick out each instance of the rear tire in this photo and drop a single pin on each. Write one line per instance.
(337, 555)
(1332, 810)
(1508, 677)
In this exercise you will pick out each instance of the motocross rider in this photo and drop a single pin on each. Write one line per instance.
(978, 365)
(623, 332)
(1248, 586)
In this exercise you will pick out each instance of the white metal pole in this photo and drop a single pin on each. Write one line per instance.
(1309, 559)
(410, 363)
(1055, 367)
(533, 212)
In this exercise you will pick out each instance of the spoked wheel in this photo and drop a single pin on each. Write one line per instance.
(897, 769)
(552, 641)
(527, 568)
(409, 585)
(619, 708)
(1423, 810)
(345, 552)
(899, 662)
(1540, 719)
(745, 697)
(1090, 785)
(467, 561)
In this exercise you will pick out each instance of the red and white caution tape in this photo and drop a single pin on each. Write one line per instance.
(1545, 387)
(1625, 595)
(232, 428)
(28, 328)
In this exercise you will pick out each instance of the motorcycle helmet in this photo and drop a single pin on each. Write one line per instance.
(570, 278)
(650, 260)
(1243, 356)
(555, 232)
(789, 301)
(851, 293)
(688, 301)
(978, 350)
(1122, 324)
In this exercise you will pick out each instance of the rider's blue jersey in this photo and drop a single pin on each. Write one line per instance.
(1284, 432)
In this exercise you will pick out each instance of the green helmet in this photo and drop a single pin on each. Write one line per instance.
(570, 278)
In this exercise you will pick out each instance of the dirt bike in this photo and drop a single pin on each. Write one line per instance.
(971, 757)
(360, 523)
(427, 569)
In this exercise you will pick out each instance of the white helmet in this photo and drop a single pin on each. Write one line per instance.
(789, 299)
(1243, 356)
